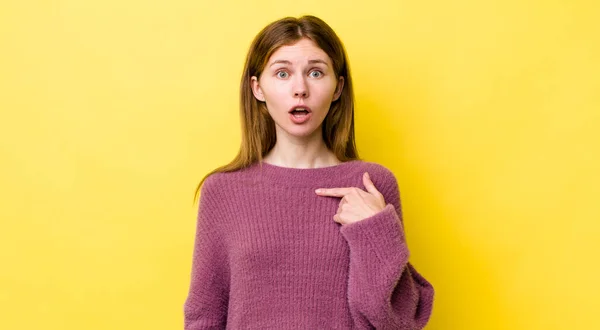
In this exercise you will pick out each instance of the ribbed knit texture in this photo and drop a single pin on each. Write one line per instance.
(268, 254)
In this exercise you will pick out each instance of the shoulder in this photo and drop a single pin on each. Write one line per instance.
(209, 190)
(385, 181)
(215, 182)
(214, 187)
(214, 195)
(379, 173)
(221, 183)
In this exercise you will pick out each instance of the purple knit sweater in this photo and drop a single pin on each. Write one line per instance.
(268, 254)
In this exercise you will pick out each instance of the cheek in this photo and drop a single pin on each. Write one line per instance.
(274, 100)
(325, 93)
(325, 86)
(273, 92)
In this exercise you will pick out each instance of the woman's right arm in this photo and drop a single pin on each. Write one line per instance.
(207, 300)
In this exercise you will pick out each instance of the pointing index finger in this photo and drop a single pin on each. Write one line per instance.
(337, 192)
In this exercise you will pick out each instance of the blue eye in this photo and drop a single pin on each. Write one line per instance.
(280, 76)
(319, 73)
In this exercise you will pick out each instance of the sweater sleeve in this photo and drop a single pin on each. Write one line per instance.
(206, 304)
(384, 289)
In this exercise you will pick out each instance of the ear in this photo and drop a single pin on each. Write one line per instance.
(338, 89)
(256, 90)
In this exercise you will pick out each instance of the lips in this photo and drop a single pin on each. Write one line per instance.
(301, 106)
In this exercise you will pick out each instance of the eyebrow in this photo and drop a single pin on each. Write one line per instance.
(290, 63)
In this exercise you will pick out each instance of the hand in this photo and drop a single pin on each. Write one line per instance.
(356, 204)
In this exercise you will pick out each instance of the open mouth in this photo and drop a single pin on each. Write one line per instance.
(300, 110)
(299, 113)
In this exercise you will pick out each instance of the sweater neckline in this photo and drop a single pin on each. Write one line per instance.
(307, 177)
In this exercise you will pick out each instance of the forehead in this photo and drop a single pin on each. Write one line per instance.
(299, 52)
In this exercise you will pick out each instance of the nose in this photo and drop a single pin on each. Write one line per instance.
(302, 94)
(300, 88)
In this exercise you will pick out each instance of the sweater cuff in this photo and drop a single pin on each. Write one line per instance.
(382, 233)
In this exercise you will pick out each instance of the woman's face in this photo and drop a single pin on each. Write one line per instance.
(298, 76)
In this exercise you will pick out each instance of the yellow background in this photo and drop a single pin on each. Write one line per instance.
(488, 112)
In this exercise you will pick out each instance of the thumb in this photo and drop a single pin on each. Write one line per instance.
(369, 184)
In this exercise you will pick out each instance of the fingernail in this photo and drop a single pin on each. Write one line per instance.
(318, 191)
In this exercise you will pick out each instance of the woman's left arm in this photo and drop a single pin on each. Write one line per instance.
(384, 289)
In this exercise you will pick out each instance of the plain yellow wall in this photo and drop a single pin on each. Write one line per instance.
(488, 112)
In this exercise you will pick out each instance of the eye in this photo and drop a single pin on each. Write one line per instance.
(282, 74)
(318, 75)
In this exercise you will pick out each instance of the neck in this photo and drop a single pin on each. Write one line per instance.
(310, 152)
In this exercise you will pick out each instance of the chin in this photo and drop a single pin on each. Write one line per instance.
(303, 131)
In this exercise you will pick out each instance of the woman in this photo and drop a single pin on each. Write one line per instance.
(272, 252)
